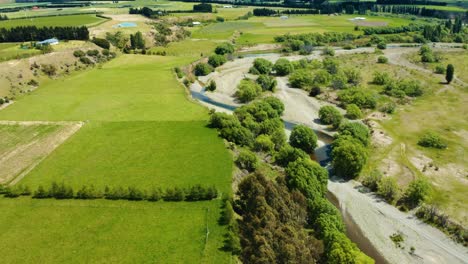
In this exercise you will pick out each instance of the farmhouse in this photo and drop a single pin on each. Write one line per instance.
(52, 41)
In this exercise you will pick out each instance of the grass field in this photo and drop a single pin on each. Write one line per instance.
(51, 231)
(129, 88)
(264, 29)
(10, 51)
(74, 20)
(162, 154)
(140, 130)
(188, 48)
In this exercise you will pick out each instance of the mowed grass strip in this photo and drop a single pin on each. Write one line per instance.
(101, 231)
(63, 21)
(129, 88)
(140, 154)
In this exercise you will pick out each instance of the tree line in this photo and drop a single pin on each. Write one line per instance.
(273, 12)
(275, 214)
(63, 191)
(33, 33)
(414, 10)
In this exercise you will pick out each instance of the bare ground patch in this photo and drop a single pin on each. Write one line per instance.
(17, 162)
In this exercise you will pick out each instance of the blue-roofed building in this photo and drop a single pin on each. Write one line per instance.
(52, 41)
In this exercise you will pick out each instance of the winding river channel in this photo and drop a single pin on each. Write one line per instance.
(322, 156)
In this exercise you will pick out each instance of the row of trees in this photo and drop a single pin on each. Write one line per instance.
(63, 191)
(33, 33)
(275, 213)
(413, 10)
(304, 43)
(273, 12)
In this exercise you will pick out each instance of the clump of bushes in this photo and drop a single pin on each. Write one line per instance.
(211, 86)
(224, 48)
(92, 53)
(381, 78)
(388, 189)
(78, 53)
(432, 140)
(49, 69)
(86, 60)
(329, 115)
(301, 78)
(382, 59)
(360, 97)
(202, 69)
(267, 82)
(353, 112)
(328, 51)
(439, 69)
(304, 138)
(247, 160)
(103, 43)
(261, 66)
(216, 60)
(283, 67)
(247, 90)
(179, 72)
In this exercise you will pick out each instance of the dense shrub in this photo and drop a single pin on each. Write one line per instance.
(261, 66)
(417, 192)
(88, 193)
(381, 78)
(382, 59)
(264, 143)
(353, 75)
(432, 140)
(211, 86)
(78, 53)
(353, 112)
(92, 53)
(387, 187)
(179, 72)
(371, 181)
(302, 78)
(202, 69)
(289, 154)
(449, 73)
(329, 51)
(322, 77)
(224, 48)
(86, 60)
(248, 90)
(439, 69)
(303, 137)
(283, 67)
(267, 82)
(332, 65)
(247, 160)
(329, 115)
(216, 60)
(348, 157)
(382, 45)
(356, 130)
(103, 43)
(361, 98)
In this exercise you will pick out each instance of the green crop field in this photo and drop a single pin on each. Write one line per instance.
(74, 20)
(51, 231)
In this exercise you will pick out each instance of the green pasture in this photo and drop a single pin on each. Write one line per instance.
(9, 51)
(73, 20)
(188, 48)
(101, 231)
(129, 88)
(264, 29)
(141, 154)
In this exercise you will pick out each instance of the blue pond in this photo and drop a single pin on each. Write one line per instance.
(125, 25)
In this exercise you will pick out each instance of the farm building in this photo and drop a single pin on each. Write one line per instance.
(196, 23)
(52, 41)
